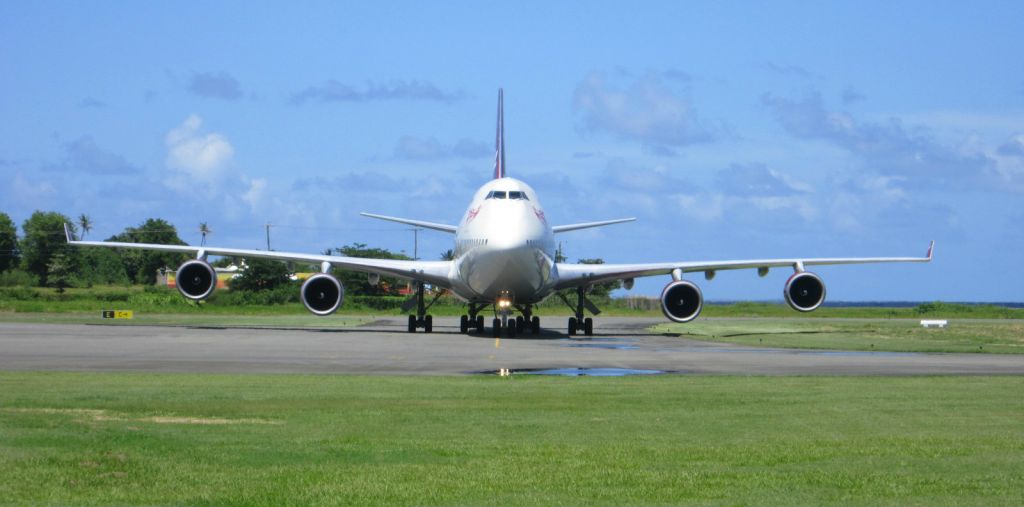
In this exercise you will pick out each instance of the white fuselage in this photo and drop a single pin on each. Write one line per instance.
(504, 246)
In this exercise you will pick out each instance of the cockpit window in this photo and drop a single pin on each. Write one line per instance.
(511, 194)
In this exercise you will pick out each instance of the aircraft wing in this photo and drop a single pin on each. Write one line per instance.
(432, 272)
(586, 225)
(418, 223)
(575, 275)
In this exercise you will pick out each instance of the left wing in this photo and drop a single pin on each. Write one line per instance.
(575, 275)
(432, 272)
(418, 223)
(586, 225)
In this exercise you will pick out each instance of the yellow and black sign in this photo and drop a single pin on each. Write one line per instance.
(117, 314)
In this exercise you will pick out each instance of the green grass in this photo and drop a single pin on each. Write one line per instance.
(82, 439)
(898, 335)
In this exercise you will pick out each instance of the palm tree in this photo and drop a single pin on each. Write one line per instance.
(204, 230)
(85, 223)
(448, 255)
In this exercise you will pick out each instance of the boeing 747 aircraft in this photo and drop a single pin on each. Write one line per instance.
(505, 263)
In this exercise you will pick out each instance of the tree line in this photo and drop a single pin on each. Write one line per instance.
(41, 255)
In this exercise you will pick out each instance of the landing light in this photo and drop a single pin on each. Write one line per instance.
(504, 303)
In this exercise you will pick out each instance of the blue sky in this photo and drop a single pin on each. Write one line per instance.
(730, 129)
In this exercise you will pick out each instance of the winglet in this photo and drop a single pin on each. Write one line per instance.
(931, 250)
(499, 139)
(67, 233)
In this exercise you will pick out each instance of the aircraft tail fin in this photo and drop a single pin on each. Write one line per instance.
(499, 140)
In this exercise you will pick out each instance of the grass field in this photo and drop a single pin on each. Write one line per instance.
(81, 439)
(892, 335)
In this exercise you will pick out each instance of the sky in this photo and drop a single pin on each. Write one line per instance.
(731, 130)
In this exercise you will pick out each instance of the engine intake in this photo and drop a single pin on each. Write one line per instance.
(322, 294)
(804, 291)
(196, 279)
(681, 301)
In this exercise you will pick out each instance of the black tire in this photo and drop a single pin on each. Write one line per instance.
(519, 324)
(428, 324)
(572, 326)
(496, 327)
(512, 328)
(464, 324)
(535, 325)
(480, 324)
(412, 323)
(588, 326)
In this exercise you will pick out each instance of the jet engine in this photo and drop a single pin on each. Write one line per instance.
(804, 291)
(681, 301)
(322, 294)
(196, 279)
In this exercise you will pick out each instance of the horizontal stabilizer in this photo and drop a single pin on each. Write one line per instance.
(417, 223)
(587, 225)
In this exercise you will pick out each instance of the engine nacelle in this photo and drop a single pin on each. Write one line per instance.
(681, 301)
(322, 294)
(196, 279)
(804, 291)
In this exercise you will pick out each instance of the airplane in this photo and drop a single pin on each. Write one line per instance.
(504, 259)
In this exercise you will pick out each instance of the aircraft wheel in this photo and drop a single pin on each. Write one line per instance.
(480, 324)
(588, 326)
(496, 326)
(412, 323)
(512, 329)
(572, 326)
(428, 323)
(519, 324)
(535, 325)
(464, 324)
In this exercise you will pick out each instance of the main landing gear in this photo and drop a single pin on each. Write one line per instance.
(472, 321)
(503, 320)
(421, 320)
(579, 323)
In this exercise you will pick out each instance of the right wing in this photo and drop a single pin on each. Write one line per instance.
(432, 272)
(575, 275)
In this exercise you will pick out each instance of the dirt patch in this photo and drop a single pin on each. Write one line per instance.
(106, 415)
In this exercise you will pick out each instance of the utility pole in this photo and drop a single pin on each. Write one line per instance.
(416, 243)
(268, 236)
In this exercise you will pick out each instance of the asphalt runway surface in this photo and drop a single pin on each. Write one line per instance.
(383, 347)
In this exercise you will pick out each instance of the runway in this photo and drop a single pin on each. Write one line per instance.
(384, 348)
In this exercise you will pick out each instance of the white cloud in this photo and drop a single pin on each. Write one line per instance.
(647, 110)
(254, 196)
(196, 160)
(31, 190)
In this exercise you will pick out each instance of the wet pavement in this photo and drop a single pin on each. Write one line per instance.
(621, 346)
